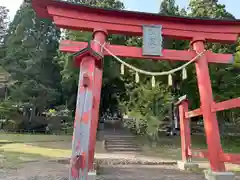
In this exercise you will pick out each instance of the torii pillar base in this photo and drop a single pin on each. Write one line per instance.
(92, 175)
(209, 175)
(184, 165)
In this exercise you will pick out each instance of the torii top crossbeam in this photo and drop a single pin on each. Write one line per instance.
(80, 17)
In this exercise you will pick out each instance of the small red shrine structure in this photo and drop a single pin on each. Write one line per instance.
(89, 58)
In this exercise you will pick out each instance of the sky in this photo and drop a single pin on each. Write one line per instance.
(135, 5)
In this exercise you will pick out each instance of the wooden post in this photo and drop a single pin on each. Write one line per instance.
(87, 108)
(100, 36)
(206, 99)
(185, 131)
(82, 123)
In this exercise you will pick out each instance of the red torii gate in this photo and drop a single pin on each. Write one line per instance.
(89, 58)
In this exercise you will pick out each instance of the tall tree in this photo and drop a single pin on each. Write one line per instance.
(209, 9)
(70, 74)
(169, 8)
(212, 9)
(3, 27)
(3, 22)
(225, 81)
(31, 45)
(113, 4)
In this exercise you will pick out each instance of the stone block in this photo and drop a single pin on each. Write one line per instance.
(182, 165)
(92, 175)
(209, 175)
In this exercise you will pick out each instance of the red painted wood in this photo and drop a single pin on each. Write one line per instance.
(199, 153)
(100, 36)
(209, 117)
(72, 16)
(42, 6)
(135, 52)
(224, 157)
(231, 158)
(225, 105)
(78, 59)
(194, 113)
(185, 131)
(77, 24)
(85, 117)
(80, 145)
(105, 17)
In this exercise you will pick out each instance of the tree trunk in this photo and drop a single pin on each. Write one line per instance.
(32, 113)
(221, 122)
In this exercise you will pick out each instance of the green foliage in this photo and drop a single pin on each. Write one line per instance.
(8, 109)
(237, 57)
(148, 106)
(45, 78)
(3, 28)
(209, 9)
(225, 78)
(138, 125)
(3, 22)
(112, 4)
(8, 112)
(111, 72)
(59, 111)
(31, 45)
(169, 8)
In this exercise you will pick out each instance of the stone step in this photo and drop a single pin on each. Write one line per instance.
(117, 133)
(119, 137)
(121, 146)
(119, 142)
(123, 149)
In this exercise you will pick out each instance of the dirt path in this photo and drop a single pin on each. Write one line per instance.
(56, 171)
(144, 172)
(36, 171)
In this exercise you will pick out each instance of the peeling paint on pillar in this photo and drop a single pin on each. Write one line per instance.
(81, 134)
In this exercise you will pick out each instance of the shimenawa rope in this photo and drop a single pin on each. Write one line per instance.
(153, 74)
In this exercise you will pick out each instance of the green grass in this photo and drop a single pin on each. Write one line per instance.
(35, 150)
(16, 138)
(15, 160)
(231, 144)
(170, 147)
(15, 149)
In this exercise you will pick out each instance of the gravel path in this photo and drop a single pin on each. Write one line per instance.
(37, 171)
(57, 171)
(143, 172)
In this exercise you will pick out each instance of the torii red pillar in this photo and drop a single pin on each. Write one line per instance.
(99, 35)
(206, 99)
(87, 109)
